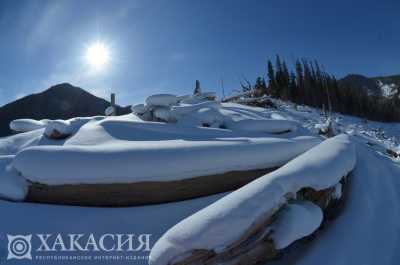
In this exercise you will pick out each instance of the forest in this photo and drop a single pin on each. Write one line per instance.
(307, 83)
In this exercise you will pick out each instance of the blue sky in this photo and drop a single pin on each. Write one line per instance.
(164, 45)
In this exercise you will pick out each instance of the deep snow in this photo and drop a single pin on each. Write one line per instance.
(118, 149)
(367, 231)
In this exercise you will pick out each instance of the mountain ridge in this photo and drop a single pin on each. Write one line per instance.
(61, 101)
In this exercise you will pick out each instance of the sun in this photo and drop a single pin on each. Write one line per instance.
(97, 55)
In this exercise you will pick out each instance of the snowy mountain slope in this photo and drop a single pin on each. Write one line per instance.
(388, 84)
(360, 82)
(388, 90)
(386, 134)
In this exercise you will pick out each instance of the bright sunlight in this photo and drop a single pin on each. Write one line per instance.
(97, 55)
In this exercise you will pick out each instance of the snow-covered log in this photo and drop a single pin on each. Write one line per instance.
(160, 161)
(243, 221)
(239, 95)
(162, 100)
(58, 129)
(168, 171)
(141, 193)
(26, 125)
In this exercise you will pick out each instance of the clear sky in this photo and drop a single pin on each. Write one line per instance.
(165, 45)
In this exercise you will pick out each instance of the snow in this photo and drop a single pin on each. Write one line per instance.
(199, 139)
(164, 100)
(337, 194)
(12, 186)
(367, 231)
(388, 90)
(139, 108)
(32, 218)
(13, 144)
(266, 125)
(296, 221)
(110, 110)
(26, 125)
(223, 222)
(128, 162)
(163, 113)
(68, 127)
(63, 127)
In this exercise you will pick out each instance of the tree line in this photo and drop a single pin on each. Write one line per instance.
(307, 83)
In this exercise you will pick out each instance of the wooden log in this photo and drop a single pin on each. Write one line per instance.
(56, 135)
(141, 193)
(256, 245)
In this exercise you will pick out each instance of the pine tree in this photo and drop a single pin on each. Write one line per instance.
(285, 81)
(260, 87)
(271, 80)
(300, 82)
(292, 87)
(278, 76)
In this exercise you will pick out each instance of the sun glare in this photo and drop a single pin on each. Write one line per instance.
(97, 55)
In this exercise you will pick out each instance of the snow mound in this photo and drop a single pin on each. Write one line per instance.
(129, 162)
(139, 109)
(61, 126)
(198, 110)
(184, 139)
(223, 222)
(26, 125)
(296, 221)
(163, 100)
(12, 186)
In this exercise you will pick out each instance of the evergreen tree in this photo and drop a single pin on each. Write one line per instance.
(260, 87)
(271, 80)
(278, 76)
(309, 84)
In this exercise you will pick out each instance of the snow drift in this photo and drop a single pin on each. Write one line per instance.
(12, 186)
(26, 125)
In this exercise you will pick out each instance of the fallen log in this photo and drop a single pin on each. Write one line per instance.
(256, 246)
(261, 220)
(141, 193)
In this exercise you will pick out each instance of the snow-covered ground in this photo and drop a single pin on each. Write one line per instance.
(171, 138)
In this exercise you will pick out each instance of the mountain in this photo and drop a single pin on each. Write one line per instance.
(62, 101)
(361, 82)
(386, 86)
(390, 85)
(391, 79)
